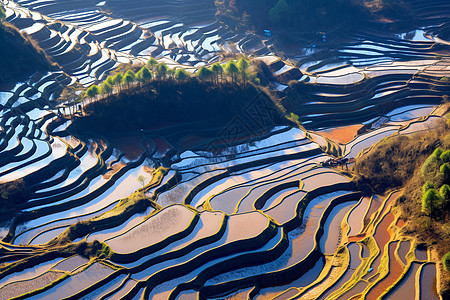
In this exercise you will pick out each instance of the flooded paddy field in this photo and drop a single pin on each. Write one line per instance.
(158, 214)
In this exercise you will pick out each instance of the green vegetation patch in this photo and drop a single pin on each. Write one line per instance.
(446, 261)
(435, 173)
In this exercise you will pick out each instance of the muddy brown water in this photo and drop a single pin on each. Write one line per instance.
(406, 288)
(395, 270)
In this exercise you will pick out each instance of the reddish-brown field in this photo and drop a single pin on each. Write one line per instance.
(341, 135)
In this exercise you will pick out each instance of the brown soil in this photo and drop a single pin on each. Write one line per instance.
(115, 168)
(341, 135)
(357, 238)
(400, 223)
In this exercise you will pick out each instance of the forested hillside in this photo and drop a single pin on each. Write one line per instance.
(307, 15)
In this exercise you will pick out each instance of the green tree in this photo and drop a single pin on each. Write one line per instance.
(161, 70)
(445, 195)
(181, 75)
(106, 88)
(118, 78)
(432, 163)
(128, 79)
(131, 73)
(141, 179)
(445, 171)
(429, 202)
(232, 70)
(217, 70)
(92, 91)
(171, 73)
(139, 76)
(2, 14)
(110, 80)
(445, 192)
(279, 11)
(243, 66)
(204, 73)
(144, 75)
(446, 261)
(152, 63)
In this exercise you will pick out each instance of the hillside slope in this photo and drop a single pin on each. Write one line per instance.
(414, 164)
(20, 56)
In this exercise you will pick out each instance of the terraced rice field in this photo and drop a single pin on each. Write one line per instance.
(261, 218)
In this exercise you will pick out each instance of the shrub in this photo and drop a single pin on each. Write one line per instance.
(446, 261)
(293, 117)
(424, 222)
(445, 157)
(100, 249)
